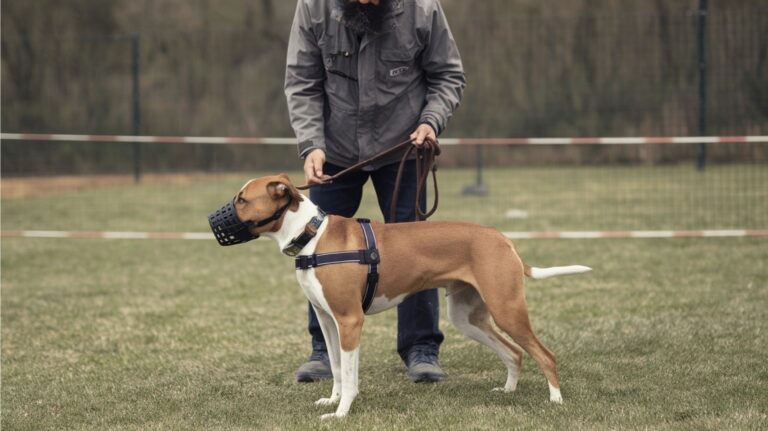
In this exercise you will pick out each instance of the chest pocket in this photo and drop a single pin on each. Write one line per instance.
(399, 64)
(340, 59)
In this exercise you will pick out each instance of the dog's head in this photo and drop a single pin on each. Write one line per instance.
(258, 207)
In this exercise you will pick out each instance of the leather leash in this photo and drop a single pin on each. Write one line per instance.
(426, 155)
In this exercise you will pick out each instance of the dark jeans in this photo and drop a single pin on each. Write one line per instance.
(418, 315)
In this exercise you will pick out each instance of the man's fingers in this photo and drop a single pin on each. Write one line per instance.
(315, 175)
(308, 175)
(422, 133)
(313, 167)
(418, 136)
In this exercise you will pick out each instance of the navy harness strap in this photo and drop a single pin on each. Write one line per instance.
(369, 256)
(373, 263)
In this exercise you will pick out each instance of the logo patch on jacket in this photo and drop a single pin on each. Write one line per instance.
(398, 71)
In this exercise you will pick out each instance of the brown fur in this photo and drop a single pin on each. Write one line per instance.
(425, 255)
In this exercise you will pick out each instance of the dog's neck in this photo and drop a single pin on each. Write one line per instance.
(294, 223)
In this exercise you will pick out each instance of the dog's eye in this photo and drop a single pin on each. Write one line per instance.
(240, 200)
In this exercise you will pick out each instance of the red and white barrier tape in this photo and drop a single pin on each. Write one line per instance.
(147, 139)
(104, 234)
(725, 233)
(443, 141)
(728, 233)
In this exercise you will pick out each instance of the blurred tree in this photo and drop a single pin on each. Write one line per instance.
(535, 68)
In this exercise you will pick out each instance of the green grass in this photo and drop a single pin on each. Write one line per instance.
(555, 198)
(177, 335)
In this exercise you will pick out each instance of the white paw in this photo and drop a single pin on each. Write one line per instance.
(554, 394)
(505, 390)
(327, 401)
(330, 416)
(556, 398)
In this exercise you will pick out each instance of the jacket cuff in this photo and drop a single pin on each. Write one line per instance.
(305, 147)
(432, 119)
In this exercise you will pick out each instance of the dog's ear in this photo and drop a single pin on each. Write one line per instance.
(281, 189)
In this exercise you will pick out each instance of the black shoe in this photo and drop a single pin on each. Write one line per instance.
(317, 368)
(423, 367)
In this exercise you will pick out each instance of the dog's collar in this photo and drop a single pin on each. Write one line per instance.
(310, 230)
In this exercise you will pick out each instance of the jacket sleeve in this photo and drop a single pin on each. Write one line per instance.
(441, 63)
(304, 82)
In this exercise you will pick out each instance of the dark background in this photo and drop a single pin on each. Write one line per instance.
(534, 68)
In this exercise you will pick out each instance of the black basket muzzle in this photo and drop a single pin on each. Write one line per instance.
(230, 230)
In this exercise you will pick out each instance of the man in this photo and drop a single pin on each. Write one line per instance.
(361, 77)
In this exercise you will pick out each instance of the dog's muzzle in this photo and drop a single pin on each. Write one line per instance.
(227, 226)
(230, 230)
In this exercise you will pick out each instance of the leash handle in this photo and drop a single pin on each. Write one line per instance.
(426, 155)
(360, 165)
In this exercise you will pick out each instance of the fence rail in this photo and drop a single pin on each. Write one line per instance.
(613, 140)
(639, 234)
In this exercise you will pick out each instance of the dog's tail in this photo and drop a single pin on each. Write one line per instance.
(539, 273)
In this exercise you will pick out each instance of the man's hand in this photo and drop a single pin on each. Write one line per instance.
(313, 167)
(424, 132)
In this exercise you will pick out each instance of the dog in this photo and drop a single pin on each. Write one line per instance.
(478, 266)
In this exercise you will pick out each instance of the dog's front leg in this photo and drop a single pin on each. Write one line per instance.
(331, 335)
(350, 328)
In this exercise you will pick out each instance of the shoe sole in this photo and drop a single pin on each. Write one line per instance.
(425, 378)
(311, 378)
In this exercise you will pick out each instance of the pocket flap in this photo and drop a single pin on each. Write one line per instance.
(338, 46)
(398, 54)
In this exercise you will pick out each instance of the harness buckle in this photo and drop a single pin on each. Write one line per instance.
(370, 256)
(292, 250)
(306, 262)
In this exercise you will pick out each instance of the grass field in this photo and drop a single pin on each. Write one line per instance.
(177, 335)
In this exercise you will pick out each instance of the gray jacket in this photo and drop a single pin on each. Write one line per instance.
(353, 98)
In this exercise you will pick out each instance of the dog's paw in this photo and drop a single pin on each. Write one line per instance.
(327, 401)
(556, 398)
(504, 389)
(331, 416)
(554, 395)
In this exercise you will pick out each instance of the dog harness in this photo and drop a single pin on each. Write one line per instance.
(369, 256)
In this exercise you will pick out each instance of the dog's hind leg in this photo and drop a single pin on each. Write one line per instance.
(470, 316)
(511, 315)
(331, 335)
(503, 290)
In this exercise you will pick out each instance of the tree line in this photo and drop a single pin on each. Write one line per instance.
(545, 68)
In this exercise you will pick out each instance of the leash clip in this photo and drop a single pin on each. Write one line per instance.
(292, 250)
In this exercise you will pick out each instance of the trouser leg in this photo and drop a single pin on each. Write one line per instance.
(418, 316)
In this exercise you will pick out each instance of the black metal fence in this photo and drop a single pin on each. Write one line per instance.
(601, 68)
(686, 68)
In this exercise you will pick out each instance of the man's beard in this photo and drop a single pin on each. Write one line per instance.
(365, 18)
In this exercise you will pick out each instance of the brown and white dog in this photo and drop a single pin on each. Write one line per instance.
(479, 267)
